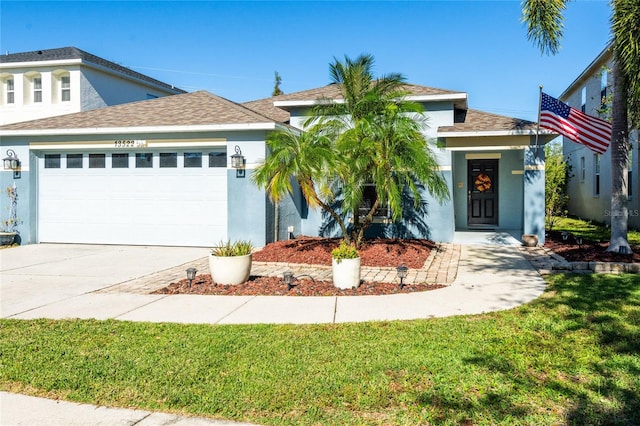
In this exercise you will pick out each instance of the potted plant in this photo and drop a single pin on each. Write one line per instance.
(345, 263)
(230, 262)
(9, 228)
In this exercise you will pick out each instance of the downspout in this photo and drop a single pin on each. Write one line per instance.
(276, 219)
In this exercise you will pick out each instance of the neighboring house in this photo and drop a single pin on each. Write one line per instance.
(589, 186)
(51, 82)
(159, 172)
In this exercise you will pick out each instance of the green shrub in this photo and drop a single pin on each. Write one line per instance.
(236, 248)
(345, 251)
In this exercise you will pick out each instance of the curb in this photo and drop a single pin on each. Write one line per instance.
(548, 262)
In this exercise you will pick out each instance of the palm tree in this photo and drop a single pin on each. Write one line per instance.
(378, 134)
(304, 157)
(373, 137)
(544, 19)
(389, 152)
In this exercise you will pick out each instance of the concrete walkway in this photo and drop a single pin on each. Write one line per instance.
(86, 281)
(113, 282)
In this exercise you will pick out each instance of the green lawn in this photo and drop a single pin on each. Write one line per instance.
(570, 357)
(590, 230)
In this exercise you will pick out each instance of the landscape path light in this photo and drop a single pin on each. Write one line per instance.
(191, 274)
(402, 274)
(288, 279)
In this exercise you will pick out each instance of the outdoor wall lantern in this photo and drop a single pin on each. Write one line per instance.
(191, 274)
(402, 274)
(11, 162)
(237, 162)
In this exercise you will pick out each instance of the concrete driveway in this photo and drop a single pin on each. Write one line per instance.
(35, 275)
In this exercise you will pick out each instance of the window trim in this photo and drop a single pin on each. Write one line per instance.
(381, 215)
(630, 174)
(37, 89)
(10, 91)
(220, 156)
(120, 155)
(164, 157)
(65, 88)
(52, 161)
(193, 155)
(139, 164)
(93, 157)
(596, 175)
(74, 156)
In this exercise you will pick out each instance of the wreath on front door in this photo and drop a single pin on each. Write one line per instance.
(483, 182)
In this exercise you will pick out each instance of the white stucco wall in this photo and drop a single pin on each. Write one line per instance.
(24, 108)
(91, 88)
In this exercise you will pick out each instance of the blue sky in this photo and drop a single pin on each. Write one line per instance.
(233, 48)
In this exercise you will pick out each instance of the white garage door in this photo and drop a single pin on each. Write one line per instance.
(145, 198)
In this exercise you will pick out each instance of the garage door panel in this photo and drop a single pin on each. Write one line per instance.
(133, 206)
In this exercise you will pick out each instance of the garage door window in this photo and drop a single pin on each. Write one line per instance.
(168, 159)
(74, 161)
(96, 161)
(217, 159)
(144, 160)
(119, 161)
(192, 159)
(52, 161)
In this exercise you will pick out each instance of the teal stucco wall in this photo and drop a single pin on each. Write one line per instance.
(510, 188)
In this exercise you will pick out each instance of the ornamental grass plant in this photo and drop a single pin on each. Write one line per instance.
(235, 248)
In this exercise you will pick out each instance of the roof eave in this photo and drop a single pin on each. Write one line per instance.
(459, 99)
(494, 133)
(52, 62)
(598, 62)
(143, 129)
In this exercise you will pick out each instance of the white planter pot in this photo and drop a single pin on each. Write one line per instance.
(346, 273)
(230, 269)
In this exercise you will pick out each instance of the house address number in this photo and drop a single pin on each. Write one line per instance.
(130, 143)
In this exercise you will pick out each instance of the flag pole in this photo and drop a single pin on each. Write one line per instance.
(538, 124)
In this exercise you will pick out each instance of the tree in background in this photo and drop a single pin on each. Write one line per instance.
(557, 172)
(276, 87)
(545, 22)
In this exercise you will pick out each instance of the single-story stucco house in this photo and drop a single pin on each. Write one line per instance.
(159, 171)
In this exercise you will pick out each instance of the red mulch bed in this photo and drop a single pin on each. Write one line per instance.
(589, 251)
(380, 252)
(317, 251)
(275, 286)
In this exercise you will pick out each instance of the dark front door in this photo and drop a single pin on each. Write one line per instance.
(483, 193)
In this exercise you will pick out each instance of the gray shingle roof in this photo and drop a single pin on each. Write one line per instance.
(75, 53)
(190, 109)
(265, 106)
(473, 120)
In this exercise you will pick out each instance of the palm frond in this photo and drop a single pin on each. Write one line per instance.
(545, 23)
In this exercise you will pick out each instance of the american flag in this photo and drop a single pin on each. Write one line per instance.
(575, 125)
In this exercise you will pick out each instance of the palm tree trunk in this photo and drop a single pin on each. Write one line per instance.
(619, 165)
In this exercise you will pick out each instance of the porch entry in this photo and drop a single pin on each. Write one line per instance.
(482, 209)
